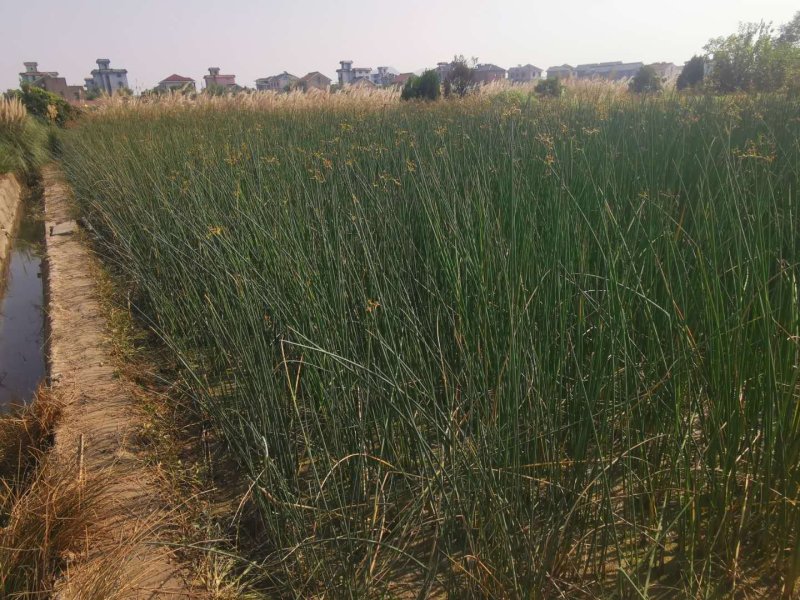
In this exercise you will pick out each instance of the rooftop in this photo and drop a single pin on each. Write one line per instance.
(177, 78)
(489, 67)
(608, 65)
(308, 76)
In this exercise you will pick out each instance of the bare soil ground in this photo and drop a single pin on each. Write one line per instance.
(127, 551)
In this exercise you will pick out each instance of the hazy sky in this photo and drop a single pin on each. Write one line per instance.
(256, 38)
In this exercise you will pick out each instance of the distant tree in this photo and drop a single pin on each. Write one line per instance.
(549, 87)
(425, 87)
(788, 51)
(750, 60)
(410, 88)
(429, 86)
(692, 74)
(461, 76)
(790, 32)
(646, 81)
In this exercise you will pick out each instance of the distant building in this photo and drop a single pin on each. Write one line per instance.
(363, 82)
(58, 85)
(105, 79)
(176, 83)
(383, 76)
(609, 70)
(443, 70)
(488, 73)
(277, 83)
(345, 72)
(666, 70)
(315, 81)
(215, 79)
(401, 79)
(524, 73)
(32, 73)
(51, 82)
(563, 72)
(348, 74)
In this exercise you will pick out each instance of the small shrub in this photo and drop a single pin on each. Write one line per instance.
(425, 87)
(646, 81)
(44, 105)
(461, 76)
(550, 87)
(692, 74)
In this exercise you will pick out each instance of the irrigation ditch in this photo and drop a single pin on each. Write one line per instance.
(86, 515)
(22, 321)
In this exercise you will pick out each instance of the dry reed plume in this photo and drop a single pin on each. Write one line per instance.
(12, 112)
(350, 98)
(358, 98)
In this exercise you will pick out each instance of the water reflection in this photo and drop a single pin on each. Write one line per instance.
(22, 363)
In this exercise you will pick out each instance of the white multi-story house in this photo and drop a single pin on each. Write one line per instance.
(215, 79)
(314, 81)
(176, 82)
(443, 70)
(524, 73)
(277, 83)
(609, 70)
(345, 72)
(563, 72)
(350, 75)
(383, 76)
(105, 79)
(666, 70)
(487, 73)
(50, 81)
(32, 73)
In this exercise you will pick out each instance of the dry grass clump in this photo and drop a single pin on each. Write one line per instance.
(24, 436)
(45, 528)
(22, 139)
(596, 90)
(352, 98)
(12, 112)
(43, 506)
(60, 529)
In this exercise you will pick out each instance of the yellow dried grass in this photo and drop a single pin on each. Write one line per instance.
(355, 98)
(12, 112)
(350, 98)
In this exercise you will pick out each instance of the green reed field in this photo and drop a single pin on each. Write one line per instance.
(498, 347)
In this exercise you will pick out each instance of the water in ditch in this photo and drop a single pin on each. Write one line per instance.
(22, 361)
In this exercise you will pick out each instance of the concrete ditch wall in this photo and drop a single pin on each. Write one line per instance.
(10, 201)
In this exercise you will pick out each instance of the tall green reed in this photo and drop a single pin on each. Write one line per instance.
(488, 348)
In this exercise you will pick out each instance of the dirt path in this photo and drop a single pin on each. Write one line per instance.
(100, 416)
